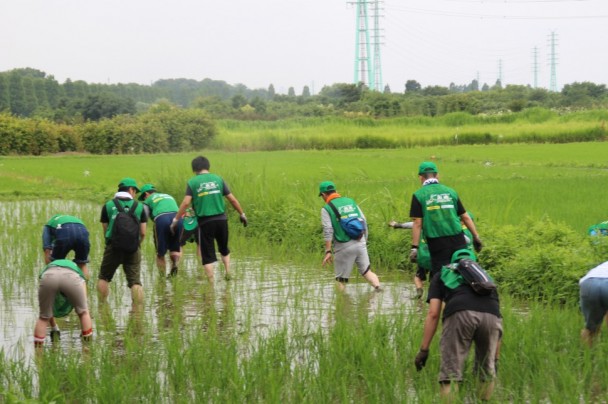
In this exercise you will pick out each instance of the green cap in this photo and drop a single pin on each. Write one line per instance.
(326, 186)
(427, 167)
(128, 182)
(463, 254)
(146, 188)
(61, 306)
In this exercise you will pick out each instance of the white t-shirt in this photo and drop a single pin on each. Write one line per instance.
(600, 271)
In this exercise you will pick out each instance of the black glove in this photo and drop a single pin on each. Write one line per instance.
(414, 254)
(477, 244)
(243, 219)
(421, 358)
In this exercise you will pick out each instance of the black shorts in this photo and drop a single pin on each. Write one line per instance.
(209, 233)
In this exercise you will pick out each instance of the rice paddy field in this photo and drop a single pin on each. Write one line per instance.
(279, 331)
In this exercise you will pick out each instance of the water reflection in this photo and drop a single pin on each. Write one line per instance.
(262, 297)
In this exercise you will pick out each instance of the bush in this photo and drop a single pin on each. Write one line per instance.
(539, 261)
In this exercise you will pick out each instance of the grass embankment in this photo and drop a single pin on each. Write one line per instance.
(535, 125)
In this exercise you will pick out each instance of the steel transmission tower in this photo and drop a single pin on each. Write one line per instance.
(553, 61)
(535, 66)
(377, 83)
(500, 72)
(363, 66)
(368, 67)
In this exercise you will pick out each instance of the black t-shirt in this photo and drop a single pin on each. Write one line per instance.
(462, 298)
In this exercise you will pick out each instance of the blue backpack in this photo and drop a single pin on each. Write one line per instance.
(354, 227)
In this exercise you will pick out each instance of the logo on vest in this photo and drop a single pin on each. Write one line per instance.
(207, 188)
(346, 210)
(439, 199)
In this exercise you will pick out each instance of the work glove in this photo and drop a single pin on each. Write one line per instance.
(477, 244)
(414, 254)
(421, 358)
(243, 219)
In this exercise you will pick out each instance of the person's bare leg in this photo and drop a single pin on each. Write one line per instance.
(175, 258)
(40, 331)
(448, 392)
(341, 286)
(161, 264)
(103, 289)
(137, 295)
(209, 271)
(587, 336)
(372, 278)
(419, 283)
(486, 389)
(226, 262)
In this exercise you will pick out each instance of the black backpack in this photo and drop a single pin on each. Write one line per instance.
(125, 231)
(481, 282)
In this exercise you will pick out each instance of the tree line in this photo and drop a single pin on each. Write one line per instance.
(29, 92)
(39, 115)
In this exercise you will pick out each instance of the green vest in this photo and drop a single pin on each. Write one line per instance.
(112, 212)
(451, 278)
(161, 203)
(439, 210)
(424, 255)
(347, 208)
(57, 220)
(64, 264)
(207, 194)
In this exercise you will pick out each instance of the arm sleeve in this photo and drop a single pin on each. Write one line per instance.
(226, 189)
(104, 215)
(460, 208)
(328, 230)
(188, 191)
(415, 208)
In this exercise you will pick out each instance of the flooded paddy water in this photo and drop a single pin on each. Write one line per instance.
(261, 297)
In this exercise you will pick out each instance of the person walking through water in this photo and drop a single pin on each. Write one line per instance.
(161, 208)
(346, 251)
(123, 247)
(437, 211)
(206, 192)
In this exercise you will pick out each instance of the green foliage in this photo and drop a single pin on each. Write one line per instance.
(539, 260)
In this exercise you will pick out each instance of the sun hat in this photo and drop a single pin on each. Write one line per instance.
(427, 167)
(326, 186)
(463, 254)
(146, 188)
(128, 182)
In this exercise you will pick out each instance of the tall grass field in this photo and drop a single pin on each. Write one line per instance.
(279, 331)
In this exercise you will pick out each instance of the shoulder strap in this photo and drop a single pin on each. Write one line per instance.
(118, 205)
(336, 212)
(120, 208)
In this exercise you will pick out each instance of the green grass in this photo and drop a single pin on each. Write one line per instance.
(529, 126)
(278, 331)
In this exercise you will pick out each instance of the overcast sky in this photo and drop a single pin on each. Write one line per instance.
(304, 42)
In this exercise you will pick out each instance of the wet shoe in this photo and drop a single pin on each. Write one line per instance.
(55, 335)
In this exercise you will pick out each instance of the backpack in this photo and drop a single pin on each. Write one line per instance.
(125, 231)
(473, 274)
(354, 227)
